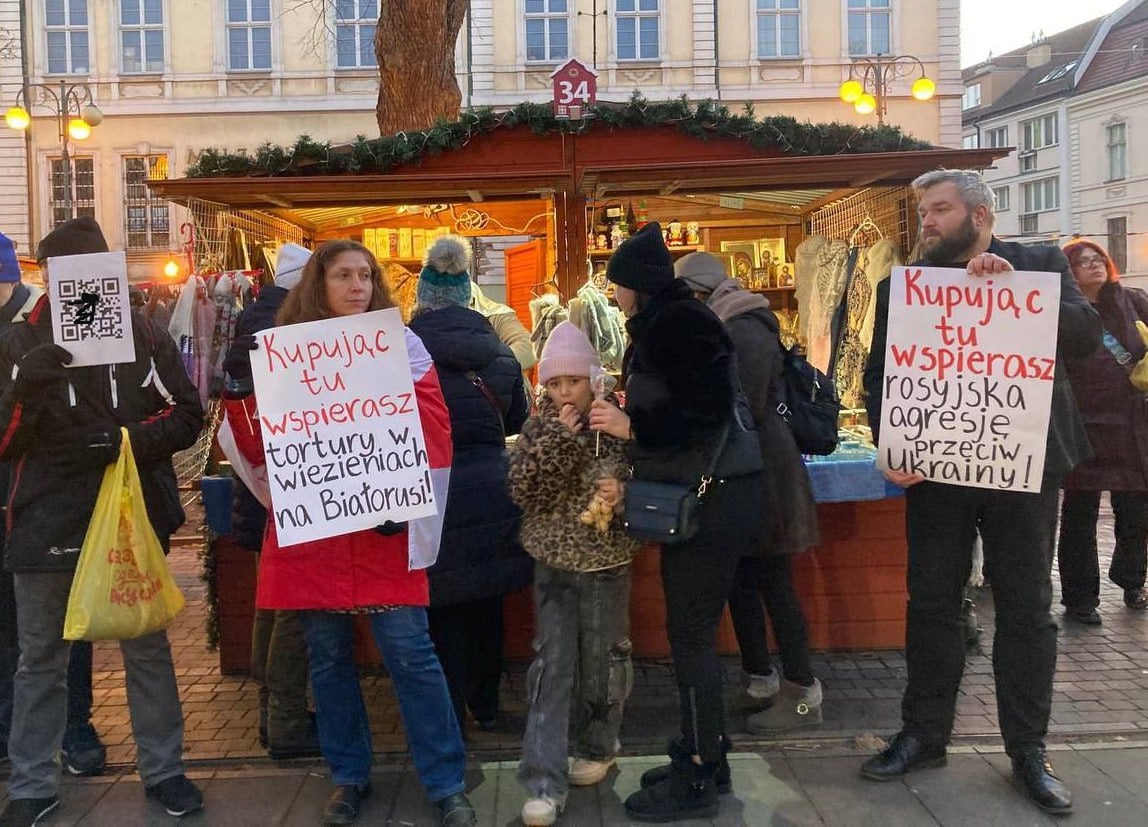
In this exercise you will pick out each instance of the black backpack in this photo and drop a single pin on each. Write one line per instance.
(809, 403)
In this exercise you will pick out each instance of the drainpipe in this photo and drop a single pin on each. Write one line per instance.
(717, 53)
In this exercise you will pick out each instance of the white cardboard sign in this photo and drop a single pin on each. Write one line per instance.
(969, 366)
(341, 431)
(91, 314)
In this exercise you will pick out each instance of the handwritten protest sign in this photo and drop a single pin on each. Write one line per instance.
(341, 431)
(969, 366)
(91, 314)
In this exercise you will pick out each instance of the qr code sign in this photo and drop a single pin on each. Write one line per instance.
(91, 309)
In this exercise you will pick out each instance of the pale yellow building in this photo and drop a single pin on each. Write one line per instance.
(172, 77)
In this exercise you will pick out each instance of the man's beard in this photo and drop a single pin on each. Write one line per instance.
(948, 249)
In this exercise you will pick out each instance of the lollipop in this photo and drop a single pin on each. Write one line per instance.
(601, 383)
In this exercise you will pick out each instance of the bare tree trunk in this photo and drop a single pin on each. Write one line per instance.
(414, 44)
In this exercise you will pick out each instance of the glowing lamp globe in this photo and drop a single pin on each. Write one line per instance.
(851, 90)
(865, 105)
(924, 89)
(171, 268)
(79, 129)
(17, 117)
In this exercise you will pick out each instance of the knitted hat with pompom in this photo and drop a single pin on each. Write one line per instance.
(444, 280)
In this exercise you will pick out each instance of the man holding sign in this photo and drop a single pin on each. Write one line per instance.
(975, 418)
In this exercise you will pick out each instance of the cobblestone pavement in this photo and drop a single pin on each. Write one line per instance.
(1101, 689)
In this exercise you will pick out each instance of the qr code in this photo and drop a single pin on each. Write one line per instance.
(91, 309)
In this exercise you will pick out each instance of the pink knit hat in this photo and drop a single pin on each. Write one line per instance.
(567, 353)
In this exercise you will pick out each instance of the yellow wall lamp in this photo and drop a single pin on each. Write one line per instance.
(870, 77)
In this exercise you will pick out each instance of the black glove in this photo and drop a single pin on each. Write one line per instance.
(91, 447)
(40, 366)
(237, 363)
(390, 528)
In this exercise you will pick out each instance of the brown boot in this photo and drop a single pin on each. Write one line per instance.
(795, 707)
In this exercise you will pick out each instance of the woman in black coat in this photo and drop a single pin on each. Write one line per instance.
(479, 558)
(680, 392)
(788, 512)
(1116, 418)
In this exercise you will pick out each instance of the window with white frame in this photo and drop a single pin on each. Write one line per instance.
(355, 24)
(870, 27)
(1116, 140)
(547, 30)
(71, 189)
(972, 96)
(66, 28)
(1040, 132)
(636, 23)
(248, 35)
(996, 137)
(778, 28)
(1001, 199)
(1042, 195)
(971, 141)
(145, 214)
(141, 36)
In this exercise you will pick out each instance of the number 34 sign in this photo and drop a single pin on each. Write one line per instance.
(575, 86)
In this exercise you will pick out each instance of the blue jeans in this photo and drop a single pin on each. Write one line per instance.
(424, 701)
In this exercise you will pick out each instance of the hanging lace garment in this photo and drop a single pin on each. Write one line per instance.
(828, 287)
(872, 267)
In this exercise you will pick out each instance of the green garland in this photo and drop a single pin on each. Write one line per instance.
(701, 120)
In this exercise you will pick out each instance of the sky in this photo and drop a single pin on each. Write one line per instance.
(1003, 25)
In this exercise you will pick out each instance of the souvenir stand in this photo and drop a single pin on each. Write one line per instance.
(808, 215)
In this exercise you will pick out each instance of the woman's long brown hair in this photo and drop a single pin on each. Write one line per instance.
(307, 301)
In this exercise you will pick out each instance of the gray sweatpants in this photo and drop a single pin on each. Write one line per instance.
(41, 694)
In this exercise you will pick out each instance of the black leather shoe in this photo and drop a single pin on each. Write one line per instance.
(344, 804)
(1033, 772)
(904, 754)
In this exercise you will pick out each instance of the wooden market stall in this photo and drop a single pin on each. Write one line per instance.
(555, 186)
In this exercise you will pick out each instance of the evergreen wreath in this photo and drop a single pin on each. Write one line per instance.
(701, 120)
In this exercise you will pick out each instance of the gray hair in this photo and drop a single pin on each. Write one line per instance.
(970, 184)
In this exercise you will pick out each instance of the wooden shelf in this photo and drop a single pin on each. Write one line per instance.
(772, 289)
(680, 250)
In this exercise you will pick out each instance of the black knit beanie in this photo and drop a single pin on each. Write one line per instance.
(72, 238)
(642, 261)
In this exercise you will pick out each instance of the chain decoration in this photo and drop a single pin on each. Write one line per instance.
(701, 120)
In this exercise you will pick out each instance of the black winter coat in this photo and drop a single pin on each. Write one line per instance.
(48, 514)
(248, 516)
(1115, 413)
(479, 556)
(1078, 336)
(789, 514)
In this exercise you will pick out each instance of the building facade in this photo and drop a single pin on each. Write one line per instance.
(1071, 104)
(173, 78)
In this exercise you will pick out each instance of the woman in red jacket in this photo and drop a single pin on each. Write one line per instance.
(379, 572)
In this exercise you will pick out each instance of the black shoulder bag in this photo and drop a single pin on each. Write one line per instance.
(667, 512)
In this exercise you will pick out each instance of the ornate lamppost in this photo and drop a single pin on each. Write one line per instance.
(870, 78)
(76, 113)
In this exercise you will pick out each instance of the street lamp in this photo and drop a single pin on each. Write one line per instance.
(869, 79)
(76, 113)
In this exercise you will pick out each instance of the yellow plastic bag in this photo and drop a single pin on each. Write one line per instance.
(123, 588)
(1139, 375)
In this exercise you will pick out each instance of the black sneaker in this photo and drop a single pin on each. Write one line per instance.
(82, 753)
(1085, 617)
(26, 812)
(178, 795)
(344, 804)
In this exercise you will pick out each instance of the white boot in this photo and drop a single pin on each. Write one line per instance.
(762, 687)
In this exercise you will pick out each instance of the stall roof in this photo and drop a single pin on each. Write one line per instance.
(797, 182)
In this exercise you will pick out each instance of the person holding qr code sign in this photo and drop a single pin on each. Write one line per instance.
(62, 428)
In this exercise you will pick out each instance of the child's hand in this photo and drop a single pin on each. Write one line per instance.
(608, 419)
(609, 490)
(569, 417)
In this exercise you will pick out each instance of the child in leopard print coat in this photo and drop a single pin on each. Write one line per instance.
(558, 467)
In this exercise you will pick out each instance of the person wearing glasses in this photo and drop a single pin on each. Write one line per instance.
(1116, 419)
